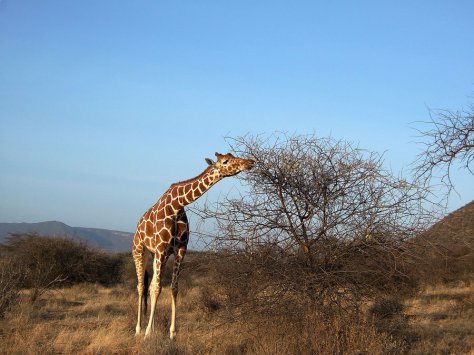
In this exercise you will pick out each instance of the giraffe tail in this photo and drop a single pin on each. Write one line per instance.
(145, 291)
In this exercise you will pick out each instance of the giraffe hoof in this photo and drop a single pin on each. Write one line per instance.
(172, 335)
(147, 333)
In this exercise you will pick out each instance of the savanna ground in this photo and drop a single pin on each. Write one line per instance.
(92, 318)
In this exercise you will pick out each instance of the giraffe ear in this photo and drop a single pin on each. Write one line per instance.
(209, 161)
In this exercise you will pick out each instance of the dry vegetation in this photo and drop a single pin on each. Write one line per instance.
(92, 318)
(89, 318)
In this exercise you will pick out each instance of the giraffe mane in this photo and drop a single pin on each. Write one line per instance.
(192, 179)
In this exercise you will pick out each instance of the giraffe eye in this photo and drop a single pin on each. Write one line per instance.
(225, 162)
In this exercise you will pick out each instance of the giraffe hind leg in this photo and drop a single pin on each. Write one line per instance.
(179, 256)
(146, 286)
(181, 241)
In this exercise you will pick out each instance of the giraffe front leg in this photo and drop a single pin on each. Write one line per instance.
(155, 289)
(139, 259)
(140, 297)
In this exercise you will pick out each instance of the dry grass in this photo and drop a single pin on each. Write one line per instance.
(84, 318)
(93, 319)
(442, 318)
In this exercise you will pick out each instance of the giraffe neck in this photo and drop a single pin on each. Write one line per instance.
(185, 192)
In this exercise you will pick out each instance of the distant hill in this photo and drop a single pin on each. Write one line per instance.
(109, 240)
(456, 230)
(447, 248)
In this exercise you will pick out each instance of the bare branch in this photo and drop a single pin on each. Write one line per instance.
(448, 140)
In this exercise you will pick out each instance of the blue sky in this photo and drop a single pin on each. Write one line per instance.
(103, 104)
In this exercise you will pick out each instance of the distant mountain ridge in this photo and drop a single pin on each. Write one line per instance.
(109, 240)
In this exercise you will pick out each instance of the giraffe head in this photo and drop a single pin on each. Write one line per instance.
(229, 165)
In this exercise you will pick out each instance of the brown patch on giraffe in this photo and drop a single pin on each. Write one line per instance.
(169, 210)
(177, 204)
(165, 236)
(189, 195)
(160, 248)
(149, 228)
(160, 204)
(160, 215)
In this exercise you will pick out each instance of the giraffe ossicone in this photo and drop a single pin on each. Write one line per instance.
(163, 230)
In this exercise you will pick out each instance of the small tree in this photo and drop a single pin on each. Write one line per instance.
(320, 218)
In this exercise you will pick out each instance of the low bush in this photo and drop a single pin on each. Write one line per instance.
(11, 279)
(42, 262)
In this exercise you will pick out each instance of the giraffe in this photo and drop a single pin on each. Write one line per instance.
(163, 230)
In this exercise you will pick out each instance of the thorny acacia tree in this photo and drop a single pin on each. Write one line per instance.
(321, 218)
(448, 139)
